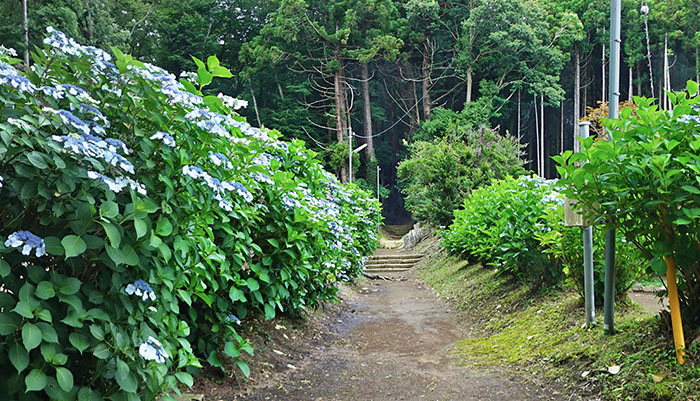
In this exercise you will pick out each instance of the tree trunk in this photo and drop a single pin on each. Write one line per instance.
(630, 95)
(339, 90)
(25, 26)
(577, 93)
(90, 22)
(255, 102)
(426, 83)
(409, 71)
(279, 89)
(697, 64)
(518, 128)
(469, 85)
(561, 127)
(367, 109)
(602, 99)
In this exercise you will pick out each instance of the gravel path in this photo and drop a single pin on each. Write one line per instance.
(392, 343)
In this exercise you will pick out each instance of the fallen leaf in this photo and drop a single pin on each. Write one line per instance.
(613, 370)
(585, 373)
(290, 366)
(656, 378)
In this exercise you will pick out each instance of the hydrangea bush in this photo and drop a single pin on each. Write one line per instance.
(142, 222)
(499, 224)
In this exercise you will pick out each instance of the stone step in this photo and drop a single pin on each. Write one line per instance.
(387, 270)
(396, 256)
(390, 262)
(388, 266)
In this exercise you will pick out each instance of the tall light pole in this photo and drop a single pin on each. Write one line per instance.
(613, 105)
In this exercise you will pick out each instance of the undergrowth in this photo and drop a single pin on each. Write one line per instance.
(540, 332)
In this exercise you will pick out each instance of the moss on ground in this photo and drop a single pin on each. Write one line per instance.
(539, 332)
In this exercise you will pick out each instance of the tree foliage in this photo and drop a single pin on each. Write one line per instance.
(439, 174)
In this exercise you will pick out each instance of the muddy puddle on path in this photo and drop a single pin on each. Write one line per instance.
(393, 344)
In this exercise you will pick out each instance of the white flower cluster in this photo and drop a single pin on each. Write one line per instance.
(152, 350)
(96, 148)
(165, 138)
(220, 160)
(231, 102)
(100, 59)
(8, 51)
(117, 184)
(219, 187)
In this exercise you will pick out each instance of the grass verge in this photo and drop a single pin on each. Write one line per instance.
(539, 332)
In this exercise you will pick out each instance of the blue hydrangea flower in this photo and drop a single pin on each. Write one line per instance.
(234, 319)
(141, 289)
(289, 203)
(117, 184)
(165, 137)
(99, 58)
(152, 350)
(88, 145)
(688, 118)
(9, 76)
(27, 241)
(262, 178)
(71, 89)
(220, 160)
(224, 203)
(242, 191)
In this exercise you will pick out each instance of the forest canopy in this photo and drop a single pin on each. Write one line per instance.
(317, 70)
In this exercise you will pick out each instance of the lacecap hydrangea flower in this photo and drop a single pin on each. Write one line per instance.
(152, 350)
(141, 289)
(27, 241)
(165, 138)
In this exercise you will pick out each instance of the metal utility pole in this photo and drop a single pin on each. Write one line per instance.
(613, 104)
(588, 295)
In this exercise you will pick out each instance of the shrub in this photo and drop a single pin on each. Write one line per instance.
(645, 183)
(142, 221)
(499, 225)
(438, 175)
(566, 245)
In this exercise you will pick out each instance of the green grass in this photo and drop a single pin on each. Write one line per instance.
(539, 332)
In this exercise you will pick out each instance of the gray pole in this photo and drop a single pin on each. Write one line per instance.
(25, 27)
(613, 104)
(588, 294)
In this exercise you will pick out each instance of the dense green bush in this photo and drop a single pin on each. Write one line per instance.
(646, 183)
(141, 223)
(499, 225)
(566, 245)
(439, 174)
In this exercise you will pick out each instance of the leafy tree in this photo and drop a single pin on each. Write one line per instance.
(440, 173)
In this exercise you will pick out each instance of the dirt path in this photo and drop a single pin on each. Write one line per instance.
(392, 343)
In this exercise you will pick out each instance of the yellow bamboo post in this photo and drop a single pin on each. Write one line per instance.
(676, 322)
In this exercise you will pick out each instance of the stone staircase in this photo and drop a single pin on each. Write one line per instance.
(391, 262)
